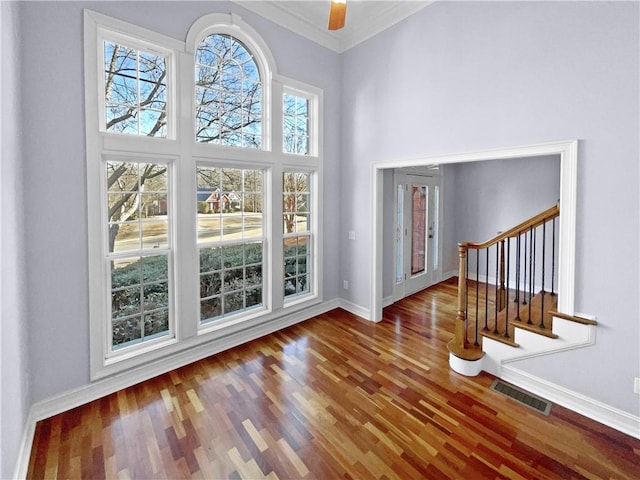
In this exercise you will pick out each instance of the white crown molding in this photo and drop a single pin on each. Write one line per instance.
(278, 13)
(314, 27)
(396, 12)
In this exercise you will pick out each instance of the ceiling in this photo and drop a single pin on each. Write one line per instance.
(309, 18)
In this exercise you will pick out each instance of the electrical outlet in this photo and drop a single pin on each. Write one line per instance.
(351, 235)
(636, 385)
(345, 284)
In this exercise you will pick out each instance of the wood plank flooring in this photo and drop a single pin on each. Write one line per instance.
(333, 397)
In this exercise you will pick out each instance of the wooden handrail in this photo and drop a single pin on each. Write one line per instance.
(533, 222)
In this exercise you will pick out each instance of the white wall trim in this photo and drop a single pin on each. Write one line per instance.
(355, 309)
(386, 301)
(593, 409)
(24, 454)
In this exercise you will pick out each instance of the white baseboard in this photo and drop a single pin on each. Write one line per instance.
(589, 407)
(449, 274)
(356, 309)
(24, 454)
(79, 396)
(386, 301)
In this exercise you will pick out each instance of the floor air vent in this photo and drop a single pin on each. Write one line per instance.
(521, 396)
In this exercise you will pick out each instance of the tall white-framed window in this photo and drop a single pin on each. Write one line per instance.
(297, 214)
(188, 174)
(231, 241)
(139, 255)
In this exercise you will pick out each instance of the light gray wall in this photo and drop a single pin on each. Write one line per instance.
(54, 156)
(449, 209)
(459, 77)
(14, 373)
(496, 195)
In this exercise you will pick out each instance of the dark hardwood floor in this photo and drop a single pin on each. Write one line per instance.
(333, 397)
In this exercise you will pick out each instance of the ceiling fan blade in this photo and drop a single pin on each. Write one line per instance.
(337, 14)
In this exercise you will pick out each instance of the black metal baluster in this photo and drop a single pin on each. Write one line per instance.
(524, 283)
(477, 295)
(553, 255)
(466, 298)
(517, 300)
(529, 322)
(497, 305)
(544, 242)
(533, 268)
(486, 291)
(506, 310)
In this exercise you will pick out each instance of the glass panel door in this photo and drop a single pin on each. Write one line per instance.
(419, 221)
(399, 233)
(417, 225)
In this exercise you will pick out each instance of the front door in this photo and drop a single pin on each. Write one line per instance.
(418, 227)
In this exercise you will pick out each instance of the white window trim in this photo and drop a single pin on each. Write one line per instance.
(314, 127)
(233, 25)
(182, 151)
(105, 34)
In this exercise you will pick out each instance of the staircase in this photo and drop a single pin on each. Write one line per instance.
(507, 299)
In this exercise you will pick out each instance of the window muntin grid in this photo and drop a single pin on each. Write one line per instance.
(231, 279)
(135, 91)
(229, 204)
(228, 93)
(295, 125)
(297, 235)
(230, 235)
(138, 230)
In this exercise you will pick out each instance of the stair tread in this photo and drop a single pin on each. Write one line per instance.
(500, 338)
(572, 318)
(533, 328)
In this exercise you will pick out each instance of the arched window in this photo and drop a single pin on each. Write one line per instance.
(204, 186)
(228, 93)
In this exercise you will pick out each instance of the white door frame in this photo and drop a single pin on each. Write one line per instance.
(568, 152)
(432, 275)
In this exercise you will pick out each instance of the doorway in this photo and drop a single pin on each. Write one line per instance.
(568, 152)
(418, 222)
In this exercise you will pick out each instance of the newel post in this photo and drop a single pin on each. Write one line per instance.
(461, 352)
(460, 330)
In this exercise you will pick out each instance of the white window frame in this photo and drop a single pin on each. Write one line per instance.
(226, 321)
(114, 36)
(312, 108)
(182, 153)
(312, 234)
(111, 355)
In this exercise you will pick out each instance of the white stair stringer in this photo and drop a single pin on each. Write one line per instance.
(500, 359)
(571, 335)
